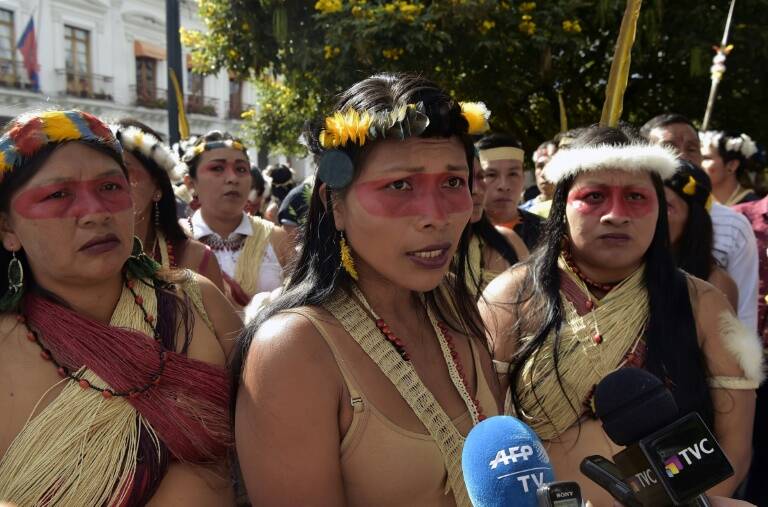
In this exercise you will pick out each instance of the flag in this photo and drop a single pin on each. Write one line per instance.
(28, 46)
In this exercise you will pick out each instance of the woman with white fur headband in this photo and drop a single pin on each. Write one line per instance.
(726, 159)
(603, 293)
(152, 172)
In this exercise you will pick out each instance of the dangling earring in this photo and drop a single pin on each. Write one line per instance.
(157, 215)
(347, 262)
(12, 296)
(194, 204)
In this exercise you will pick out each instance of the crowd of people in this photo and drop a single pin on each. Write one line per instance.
(180, 327)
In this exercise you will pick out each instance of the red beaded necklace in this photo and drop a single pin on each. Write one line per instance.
(604, 287)
(446, 335)
(106, 392)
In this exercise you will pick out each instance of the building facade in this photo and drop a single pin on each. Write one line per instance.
(108, 57)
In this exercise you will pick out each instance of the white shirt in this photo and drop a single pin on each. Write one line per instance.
(735, 248)
(227, 258)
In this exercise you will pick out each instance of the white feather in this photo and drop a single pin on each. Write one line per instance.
(744, 346)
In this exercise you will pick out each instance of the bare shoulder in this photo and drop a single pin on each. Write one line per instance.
(227, 324)
(516, 241)
(506, 286)
(287, 350)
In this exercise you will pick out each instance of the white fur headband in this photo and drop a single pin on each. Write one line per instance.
(634, 157)
(136, 140)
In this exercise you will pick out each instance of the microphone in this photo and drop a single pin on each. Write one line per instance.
(504, 463)
(668, 460)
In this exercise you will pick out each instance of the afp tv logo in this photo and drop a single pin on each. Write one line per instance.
(690, 456)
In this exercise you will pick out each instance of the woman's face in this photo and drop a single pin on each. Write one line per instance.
(612, 218)
(478, 191)
(223, 181)
(73, 219)
(143, 188)
(405, 213)
(677, 212)
(713, 164)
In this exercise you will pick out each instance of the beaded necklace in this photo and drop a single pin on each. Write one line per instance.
(106, 392)
(450, 356)
(605, 287)
(216, 243)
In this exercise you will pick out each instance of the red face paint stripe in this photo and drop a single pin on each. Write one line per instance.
(428, 194)
(74, 199)
(626, 201)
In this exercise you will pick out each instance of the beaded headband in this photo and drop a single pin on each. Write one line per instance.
(634, 157)
(136, 140)
(30, 133)
(351, 126)
(192, 151)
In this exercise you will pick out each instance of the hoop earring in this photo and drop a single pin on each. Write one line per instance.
(12, 296)
(347, 262)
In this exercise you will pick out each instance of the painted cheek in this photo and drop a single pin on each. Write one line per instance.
(428, 197)
(81, 199)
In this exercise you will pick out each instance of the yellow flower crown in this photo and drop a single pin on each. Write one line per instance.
(408, 120)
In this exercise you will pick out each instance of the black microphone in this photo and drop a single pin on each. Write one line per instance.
(669, 460)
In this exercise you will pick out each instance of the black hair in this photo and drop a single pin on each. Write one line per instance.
(316, 274)
(488, 233)
(497, 140)
(672, 349)
(664, 120)
(562, 139)
(192, 161)
(283, 181)
(257, 180)
(169, 221)
(693, 251)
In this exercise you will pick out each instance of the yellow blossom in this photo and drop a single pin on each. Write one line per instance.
(527, 27)
(330, 51)
(487, 26)
(357, 11)
(328, 6)
(527, 6)
(393, 53)
(526, 17)
(430, 26)
(572, 26)
(390, 8)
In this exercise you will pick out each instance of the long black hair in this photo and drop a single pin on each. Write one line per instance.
(169, 221)
(693, 250)
(488, 233)
(317, 273)
(672, 349)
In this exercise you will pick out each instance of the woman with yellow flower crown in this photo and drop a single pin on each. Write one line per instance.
(113, 388)
(251, 251)
(371, 320)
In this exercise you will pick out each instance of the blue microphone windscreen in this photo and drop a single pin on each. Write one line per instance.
(504, 463)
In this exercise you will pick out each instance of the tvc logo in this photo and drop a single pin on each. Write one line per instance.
(690, 455)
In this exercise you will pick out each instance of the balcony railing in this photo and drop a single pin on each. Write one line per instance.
(85, 85)
(236, 109)
(14, 75)
(152, 99)
(199, 104)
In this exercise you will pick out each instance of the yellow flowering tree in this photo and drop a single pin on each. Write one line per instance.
(515, 56)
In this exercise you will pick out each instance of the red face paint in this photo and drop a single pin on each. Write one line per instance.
(75, 199)
(420, 194)
(625, 201)
(232, 168)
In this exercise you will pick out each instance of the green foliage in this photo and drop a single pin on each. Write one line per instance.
(514, 56)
